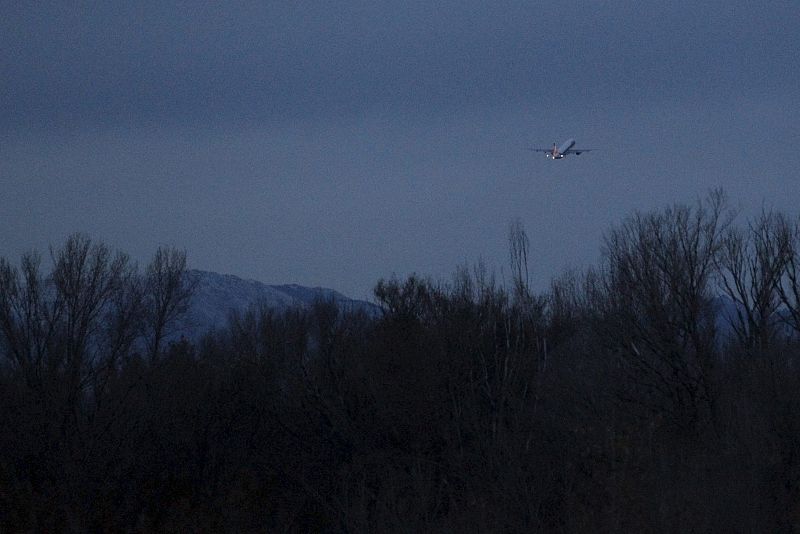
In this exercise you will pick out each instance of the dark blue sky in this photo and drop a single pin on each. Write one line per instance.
(332, 143)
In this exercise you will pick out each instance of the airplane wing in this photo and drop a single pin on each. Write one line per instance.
(577, 151)
(546, 150)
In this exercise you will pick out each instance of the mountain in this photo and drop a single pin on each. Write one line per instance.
(217, 295)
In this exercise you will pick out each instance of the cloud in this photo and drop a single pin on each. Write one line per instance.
(118, 62)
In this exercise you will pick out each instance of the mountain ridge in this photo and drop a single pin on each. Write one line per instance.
(216, 296)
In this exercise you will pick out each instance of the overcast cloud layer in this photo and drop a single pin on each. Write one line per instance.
(334, 143)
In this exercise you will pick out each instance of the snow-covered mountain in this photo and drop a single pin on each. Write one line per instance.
(217, 295)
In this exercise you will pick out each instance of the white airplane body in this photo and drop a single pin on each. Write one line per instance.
(560, 152)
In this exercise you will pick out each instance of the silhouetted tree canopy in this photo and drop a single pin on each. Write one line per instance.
(657, 391)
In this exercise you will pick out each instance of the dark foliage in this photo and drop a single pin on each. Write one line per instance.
(612, 402)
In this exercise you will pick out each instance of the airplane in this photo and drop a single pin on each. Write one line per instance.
(559, 152)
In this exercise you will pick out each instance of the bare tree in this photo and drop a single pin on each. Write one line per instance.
(656, 303)
(88, 281)
(518, 245)
(789, 284)
(168, 291)
(28, 318)
(751, 266)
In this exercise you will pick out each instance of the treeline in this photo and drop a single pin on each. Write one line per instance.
(656, 392)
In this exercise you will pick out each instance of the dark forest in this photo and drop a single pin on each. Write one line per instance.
(657, 391)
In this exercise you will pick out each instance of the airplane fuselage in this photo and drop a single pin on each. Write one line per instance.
(560, 152)
(567, 148)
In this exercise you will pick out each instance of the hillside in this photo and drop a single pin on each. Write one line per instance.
(217, 295)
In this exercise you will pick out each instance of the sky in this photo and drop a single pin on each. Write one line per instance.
(335, 143)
